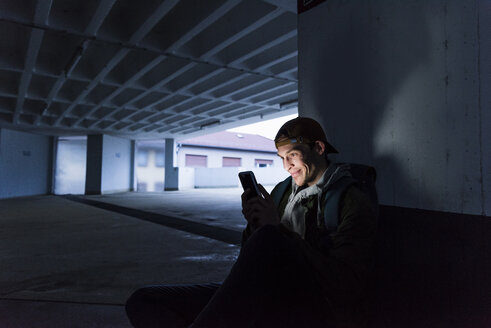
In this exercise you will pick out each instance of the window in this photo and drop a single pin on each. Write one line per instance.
(142, 157)
(141, 186)
(196, 160)
(159, 186)
(231, 161)
(159, 158)
(263, 162)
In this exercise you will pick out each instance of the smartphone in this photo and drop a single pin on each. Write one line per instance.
(248, 181)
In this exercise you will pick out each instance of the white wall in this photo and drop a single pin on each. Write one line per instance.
(186, 178)
(116, 164)
(25, 168)
(229, 176)
(211, 176)
(215, 156)
(71, 166)
(216, 177)
(403, 86)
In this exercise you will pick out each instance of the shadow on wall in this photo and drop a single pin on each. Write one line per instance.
(369, 94)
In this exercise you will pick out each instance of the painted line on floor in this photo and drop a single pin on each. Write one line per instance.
(221, 234)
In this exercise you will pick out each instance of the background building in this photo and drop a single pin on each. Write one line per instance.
(150, 165)
(212, 160)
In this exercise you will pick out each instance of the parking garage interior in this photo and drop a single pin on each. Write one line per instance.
(403, 86)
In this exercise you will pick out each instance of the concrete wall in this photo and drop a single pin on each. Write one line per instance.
(25, 164)
(485, 100)
(229, 176)
(215, 177)
(186, 178)
(403, 86)
(117, 165)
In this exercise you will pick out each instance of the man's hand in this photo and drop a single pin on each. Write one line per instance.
(259, 211)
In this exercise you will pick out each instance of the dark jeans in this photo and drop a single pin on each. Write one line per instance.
(168, 305)
(270, 285)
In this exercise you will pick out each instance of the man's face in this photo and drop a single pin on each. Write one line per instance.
(303, 162)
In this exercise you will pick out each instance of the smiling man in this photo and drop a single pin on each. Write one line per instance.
(295, 269)
(303, 157)
(306, 252)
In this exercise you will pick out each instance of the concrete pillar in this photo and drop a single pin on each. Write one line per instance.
(401, 85)
(133, 166)
(171, 180)
(109, 165)
(52, 164)
(93, 176)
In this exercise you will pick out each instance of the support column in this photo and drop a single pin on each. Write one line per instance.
(403, 86)
(133, 166)
(93, 177)
(52, 164)
(171, 180)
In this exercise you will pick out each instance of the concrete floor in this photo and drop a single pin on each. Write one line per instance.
(69, 264)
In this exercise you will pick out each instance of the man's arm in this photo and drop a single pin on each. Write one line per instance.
(350, 259)
(258, 211)
(343, 271)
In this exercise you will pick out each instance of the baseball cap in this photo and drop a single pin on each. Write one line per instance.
(302, 130)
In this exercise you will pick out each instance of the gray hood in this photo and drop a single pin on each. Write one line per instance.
(294, 215)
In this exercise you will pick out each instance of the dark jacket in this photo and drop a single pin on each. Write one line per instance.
(343, 266)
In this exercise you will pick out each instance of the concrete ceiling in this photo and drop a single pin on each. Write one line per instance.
(144, 69)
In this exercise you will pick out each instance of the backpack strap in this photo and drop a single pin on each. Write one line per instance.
(280, 189)
(331, 200)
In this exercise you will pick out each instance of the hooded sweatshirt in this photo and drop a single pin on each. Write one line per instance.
(295, 211)
(342, 266)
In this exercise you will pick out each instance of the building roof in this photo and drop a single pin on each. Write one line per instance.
(232, 140)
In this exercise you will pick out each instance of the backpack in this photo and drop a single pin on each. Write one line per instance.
(362, 176)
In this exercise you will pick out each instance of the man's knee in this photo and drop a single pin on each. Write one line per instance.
(266, 242)
(135, 304)
(266, 235)
(150, 307)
